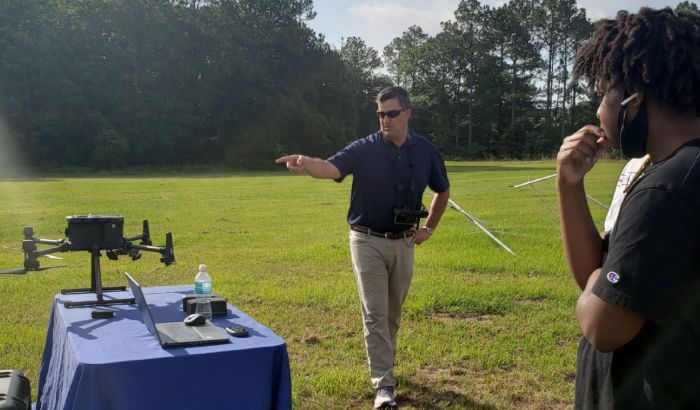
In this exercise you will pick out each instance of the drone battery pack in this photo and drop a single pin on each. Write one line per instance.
(15, 391)
(218, 304)
(89, 232)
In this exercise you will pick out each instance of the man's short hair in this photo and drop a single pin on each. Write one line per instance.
(655, 51)
(397, 92)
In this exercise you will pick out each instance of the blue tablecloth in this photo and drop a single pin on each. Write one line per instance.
(118, 364)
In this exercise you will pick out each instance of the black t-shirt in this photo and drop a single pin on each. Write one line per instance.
(652, 268)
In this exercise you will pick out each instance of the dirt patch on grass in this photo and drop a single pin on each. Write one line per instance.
(434, 387)
(311, 340)
(569, 376)
(535, 300)
(460, 386)
(464, 316)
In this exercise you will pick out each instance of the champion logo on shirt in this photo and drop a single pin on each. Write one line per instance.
(613, 277)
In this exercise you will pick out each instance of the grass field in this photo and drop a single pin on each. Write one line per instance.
(481, 329)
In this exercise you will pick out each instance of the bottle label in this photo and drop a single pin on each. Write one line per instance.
(202, 288)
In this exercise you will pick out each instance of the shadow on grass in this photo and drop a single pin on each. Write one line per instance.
(420, 396)
(484, 168)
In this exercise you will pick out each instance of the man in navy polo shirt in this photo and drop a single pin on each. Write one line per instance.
(391, 168)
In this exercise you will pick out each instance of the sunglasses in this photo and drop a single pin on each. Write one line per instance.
(390, 114)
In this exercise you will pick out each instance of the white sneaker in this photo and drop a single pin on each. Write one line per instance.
(384, 397)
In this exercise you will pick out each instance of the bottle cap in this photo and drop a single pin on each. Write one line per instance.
(202, 268)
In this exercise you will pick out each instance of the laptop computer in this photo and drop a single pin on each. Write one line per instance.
(175, 333)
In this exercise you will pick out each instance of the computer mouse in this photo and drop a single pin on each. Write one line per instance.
(195, 319)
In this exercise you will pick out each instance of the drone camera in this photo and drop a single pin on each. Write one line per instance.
(134, 254)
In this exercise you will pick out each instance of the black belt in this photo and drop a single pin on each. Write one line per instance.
(386, 235)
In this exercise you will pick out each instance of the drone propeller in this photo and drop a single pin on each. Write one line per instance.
(22, 271)
(50, 267)
(10, 249)
(49, 256)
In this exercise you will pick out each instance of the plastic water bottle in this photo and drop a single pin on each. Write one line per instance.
(202, 282)
(202, 288)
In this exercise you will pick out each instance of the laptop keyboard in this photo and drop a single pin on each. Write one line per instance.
(178, 332)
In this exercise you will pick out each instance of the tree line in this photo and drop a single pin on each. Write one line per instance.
(117, 83)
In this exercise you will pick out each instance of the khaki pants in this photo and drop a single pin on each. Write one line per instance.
(383, 270)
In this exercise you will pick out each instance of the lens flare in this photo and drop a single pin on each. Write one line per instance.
(12, 163)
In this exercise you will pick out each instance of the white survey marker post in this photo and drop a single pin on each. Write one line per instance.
(476, 222)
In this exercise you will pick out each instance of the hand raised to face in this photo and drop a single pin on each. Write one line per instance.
(579, 152)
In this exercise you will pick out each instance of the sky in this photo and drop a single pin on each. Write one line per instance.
(379, 22)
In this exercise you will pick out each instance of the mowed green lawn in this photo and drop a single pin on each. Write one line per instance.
(481, 328)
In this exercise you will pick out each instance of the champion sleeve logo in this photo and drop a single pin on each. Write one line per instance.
(613, 277)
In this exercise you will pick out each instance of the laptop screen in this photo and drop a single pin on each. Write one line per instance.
(143, 305)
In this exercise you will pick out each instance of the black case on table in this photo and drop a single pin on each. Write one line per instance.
(218, 304)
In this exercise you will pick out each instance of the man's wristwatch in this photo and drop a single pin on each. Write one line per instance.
(428, 229)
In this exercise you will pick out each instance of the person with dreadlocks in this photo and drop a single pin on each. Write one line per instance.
(639, 310)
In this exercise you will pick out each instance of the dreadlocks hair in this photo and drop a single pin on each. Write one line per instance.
(657, 51)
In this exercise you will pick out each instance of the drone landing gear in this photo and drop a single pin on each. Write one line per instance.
(97, 288)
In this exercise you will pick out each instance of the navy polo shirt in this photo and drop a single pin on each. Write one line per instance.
(386, 177)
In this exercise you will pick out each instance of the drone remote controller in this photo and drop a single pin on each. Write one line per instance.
(237, 331)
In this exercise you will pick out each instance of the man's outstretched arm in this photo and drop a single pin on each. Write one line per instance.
(315, 167)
